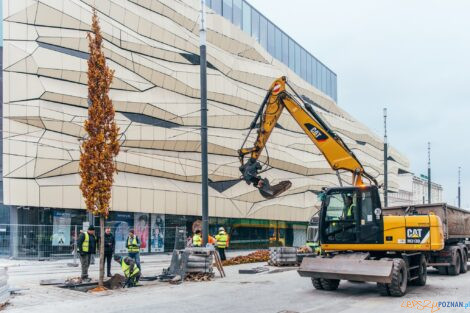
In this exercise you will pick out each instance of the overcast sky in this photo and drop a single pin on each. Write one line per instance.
(411, 56)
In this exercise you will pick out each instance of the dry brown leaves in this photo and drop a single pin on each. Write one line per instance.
(199, 277)
(254, 257)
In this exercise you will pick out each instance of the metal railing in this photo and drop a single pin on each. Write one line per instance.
(44, 242)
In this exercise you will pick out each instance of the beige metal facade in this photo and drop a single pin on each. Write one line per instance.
(153, 47)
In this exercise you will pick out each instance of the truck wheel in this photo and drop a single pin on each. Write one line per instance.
(397, 287)
(383, 289)
(317, 283)
(454, 269)
(329, 284)
(422, 272)
(464, 267)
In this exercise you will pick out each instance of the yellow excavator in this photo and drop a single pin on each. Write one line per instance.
(358, 242)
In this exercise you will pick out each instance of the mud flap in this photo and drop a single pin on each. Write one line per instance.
(379, 271)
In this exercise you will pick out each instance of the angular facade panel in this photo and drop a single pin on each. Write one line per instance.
(153, 47)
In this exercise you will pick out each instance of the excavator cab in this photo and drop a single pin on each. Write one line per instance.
(351, 215)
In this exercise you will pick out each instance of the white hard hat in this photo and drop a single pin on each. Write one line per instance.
(221, 229)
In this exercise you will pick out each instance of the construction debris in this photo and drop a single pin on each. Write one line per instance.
(115, 282)
(254, 257)
(73, 281)
(282, 256)
(304, 249)
(199, 277)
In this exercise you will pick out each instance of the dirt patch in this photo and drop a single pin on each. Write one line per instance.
(3, 306)
(98, 289)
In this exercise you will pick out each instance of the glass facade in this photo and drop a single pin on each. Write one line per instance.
(278, 44)
(46, 233)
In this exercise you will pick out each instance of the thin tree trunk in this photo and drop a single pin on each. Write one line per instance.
(101, 250)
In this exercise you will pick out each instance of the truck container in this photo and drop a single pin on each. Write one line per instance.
(452, 260)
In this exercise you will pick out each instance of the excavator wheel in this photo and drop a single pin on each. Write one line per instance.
(397, 287)
(329, 284)
(383, 289)
(316, 282)
(422, 273)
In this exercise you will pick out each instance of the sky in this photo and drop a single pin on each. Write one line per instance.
(411, 56)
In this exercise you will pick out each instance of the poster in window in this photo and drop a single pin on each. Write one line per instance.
(158, 233)
(141, 228)
(61, 229)
(121, 224)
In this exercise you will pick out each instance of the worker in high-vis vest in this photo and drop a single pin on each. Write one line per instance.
(348, 212)
(222, 243)
(197, 238)
(133, 248)
(314, 246)
(131, 271)
(86, 246)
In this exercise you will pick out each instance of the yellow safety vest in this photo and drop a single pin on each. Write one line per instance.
(86, 243)
(132, 246)
(222, 239)
(197, 240)
(349, 212)
(126, 269)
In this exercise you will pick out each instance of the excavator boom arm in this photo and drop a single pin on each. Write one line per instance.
(335, 151)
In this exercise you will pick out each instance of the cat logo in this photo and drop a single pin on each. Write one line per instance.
(319, 135)
(417, 235)
(413, 233)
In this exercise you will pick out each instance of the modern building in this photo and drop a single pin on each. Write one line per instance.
(414, 190)
(153, 46)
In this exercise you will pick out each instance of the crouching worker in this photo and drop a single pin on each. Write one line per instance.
(130, 269)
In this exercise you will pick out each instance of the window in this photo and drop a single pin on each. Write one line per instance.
(237, 12)
(314, 71)
(340, 217)
(297, 59)
(319, 77)
(209, 3)
(255, 24)
(335, 90)
(278, 44)
(271, 40)
(328, 82)
(227, 9)
(285, 49)
(309, 68)
(216, 5)
(291, 54)
(303, 64)
(246, 18)
(263, 32)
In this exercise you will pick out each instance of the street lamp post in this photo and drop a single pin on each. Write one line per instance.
(385, 160)
(204, 166)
